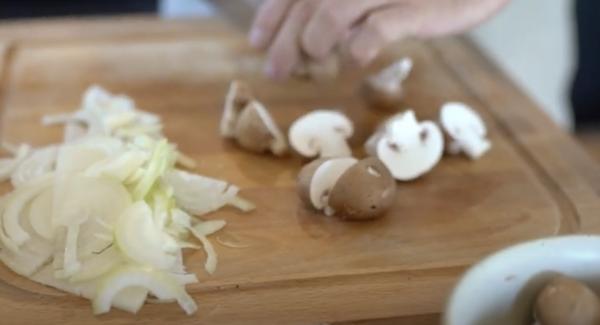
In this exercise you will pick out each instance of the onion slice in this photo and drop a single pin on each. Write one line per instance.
(160, 284)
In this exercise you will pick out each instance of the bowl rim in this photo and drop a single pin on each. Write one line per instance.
(488, 259)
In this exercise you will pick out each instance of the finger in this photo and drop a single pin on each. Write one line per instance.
(285, 52)
(379, 30)
(267, 21)
(331, 21)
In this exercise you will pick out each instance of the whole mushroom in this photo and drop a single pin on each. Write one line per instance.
(347, 188)
(384, 90)
(407, 147)
(322, 133)
(466, 130)
(567, 301)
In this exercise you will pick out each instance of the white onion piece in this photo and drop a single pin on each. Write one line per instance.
(40, 162)
(130, 299)
(209, 227)
(15, 204)
(161, 284)
(98, 264)
(118, 167)
(211, 255)
(8, 165)
(199, 194)
(139, 238)
(39, 214)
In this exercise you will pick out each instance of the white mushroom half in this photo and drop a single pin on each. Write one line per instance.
(384, 89)
(323, 133)
(466, 130)
(407, 147)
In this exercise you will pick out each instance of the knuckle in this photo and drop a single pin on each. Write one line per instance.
(329, 15)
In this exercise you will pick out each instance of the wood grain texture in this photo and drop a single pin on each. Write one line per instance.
(301, 268)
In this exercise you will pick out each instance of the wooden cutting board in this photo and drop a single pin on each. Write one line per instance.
(301, 267)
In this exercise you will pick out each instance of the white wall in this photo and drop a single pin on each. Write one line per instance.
(534, 41)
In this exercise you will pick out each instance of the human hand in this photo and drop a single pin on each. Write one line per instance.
(295, 30)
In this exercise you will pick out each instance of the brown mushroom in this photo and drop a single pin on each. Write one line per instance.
(256, 131)
(365, 191)
(347, 188)
(305, 177)
(567, 301)
(384, 89)
(238, 96)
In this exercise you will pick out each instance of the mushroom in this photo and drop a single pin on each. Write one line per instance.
(384, 90)
(256, 131)
(466, 130)
(407, 147)
(323, 133)
(249, 123)
(365, 191)
(567, 301)
(238, 96)
(347, 188)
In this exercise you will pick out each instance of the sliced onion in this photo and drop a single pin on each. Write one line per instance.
(118, 167)
(162, 159)
(14, 209)
(211, 255)
(139, 238)
(161, 284)
(209, 227)
(197, 194)
(98, 264)
(130, 299)
(8, 166)
(40, 162)
(39, 214)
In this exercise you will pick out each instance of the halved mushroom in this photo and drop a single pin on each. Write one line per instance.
(347, 188)
(256, 131)
(466, 130)
(384, 90)
(325, 178)
(323, 133)
(407, 147)
(238, 96)
(249, 123)
(305, 177)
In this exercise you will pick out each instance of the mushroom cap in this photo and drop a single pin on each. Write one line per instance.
(305, 177)
(384, 89)
(238, 96)
(325, 177)
(409, 148)
(364, 191)
(466, 128)
(256, 131)
(323, 133)
(567, 301)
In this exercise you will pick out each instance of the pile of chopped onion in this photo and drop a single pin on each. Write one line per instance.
(106, 214)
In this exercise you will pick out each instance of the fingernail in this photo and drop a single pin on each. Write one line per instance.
(257, 38)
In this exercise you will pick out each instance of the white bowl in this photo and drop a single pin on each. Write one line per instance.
(500, 289)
